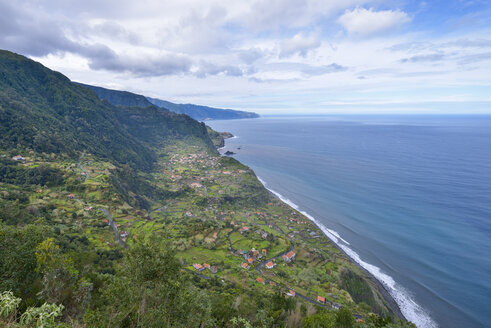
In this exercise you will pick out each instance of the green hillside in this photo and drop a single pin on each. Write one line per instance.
(119, 98)
(117, 216)
(202, 113)
(44, 111)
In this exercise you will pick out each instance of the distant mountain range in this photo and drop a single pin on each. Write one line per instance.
(200, 113)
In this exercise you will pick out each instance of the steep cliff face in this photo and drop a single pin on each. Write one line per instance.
(44, 111)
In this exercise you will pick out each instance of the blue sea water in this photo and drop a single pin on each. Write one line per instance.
(407, 197)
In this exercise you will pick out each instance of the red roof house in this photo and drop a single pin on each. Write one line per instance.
(289, 256)
(291, 293)
(198, 267)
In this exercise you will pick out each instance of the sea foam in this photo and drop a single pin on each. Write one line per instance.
(409, 308)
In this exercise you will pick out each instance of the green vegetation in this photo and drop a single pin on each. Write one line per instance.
(119, 98)
(188, 219)
(202, 113)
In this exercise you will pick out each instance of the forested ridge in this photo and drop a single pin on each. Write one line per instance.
(106, 212)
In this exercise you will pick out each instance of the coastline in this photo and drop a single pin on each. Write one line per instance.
(387, 297)
(333, 237)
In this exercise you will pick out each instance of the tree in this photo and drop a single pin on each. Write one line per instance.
(18, 260)
(322, 319)
(150, 290)
(344, 318)
(59, 272)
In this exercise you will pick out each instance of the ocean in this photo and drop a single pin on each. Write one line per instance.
(407, 197)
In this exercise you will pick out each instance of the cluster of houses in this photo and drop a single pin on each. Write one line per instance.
(251, 256)
(297, 221)
(198, 267)
(288, 257)
(196, 158)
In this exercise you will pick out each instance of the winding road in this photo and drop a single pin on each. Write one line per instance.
(111, 222)
(115, 229)
(80, 166)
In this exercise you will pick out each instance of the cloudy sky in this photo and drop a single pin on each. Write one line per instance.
(268, 56)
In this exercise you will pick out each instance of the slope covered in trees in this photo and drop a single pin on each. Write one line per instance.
(197, 112)
(44, 111)
(121, 216)
(119, 98)
(202, 113)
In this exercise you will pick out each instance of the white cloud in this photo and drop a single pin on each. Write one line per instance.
(215, 53)
(299, 44)
(365, 22)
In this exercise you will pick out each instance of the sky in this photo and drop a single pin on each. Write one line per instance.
(268, 56)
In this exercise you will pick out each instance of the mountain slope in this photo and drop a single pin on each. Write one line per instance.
(43, 111)
(119, 98)
(202, 113)
(122, 245)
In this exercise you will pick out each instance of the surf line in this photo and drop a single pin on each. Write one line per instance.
(409, 308)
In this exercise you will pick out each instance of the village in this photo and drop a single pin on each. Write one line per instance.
(223, 224)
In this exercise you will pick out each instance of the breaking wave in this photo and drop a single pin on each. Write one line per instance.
(409, 308)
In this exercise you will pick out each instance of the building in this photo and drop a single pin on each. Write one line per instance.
(71, 196)
(213, 269)
(244, 265)
(18, 158)
(270, 265)
(263, 234)
(288, 257)
(260, 280)
(206, 265)
(321, 299)
(198, 267)
(264, 251)
(291, 293)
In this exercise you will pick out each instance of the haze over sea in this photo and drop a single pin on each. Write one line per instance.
(409, 197)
